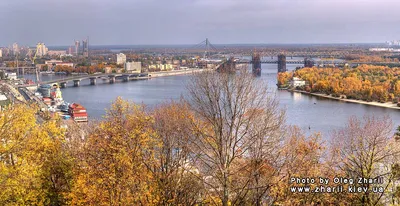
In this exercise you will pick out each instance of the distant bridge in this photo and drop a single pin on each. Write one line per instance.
(93, 77)
(287, 62)
(13, 68)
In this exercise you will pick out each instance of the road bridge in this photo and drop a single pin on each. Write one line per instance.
(93, 78)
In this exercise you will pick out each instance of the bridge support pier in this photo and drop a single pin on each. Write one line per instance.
(93, 81)
(126, 78)
(63, 84)
(76, 82)
(112, 79)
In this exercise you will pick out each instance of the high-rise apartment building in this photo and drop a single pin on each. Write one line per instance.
(70, 50)
(85, 44)
(77, 47)
(41, 49)
(15, 48)
(121, 58)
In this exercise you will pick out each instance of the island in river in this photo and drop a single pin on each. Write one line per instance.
(365, 84)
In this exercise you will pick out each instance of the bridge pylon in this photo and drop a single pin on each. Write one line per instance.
(256, 60)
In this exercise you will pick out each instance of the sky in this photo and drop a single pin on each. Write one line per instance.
(155, 22)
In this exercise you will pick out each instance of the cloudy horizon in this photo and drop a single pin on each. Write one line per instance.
(167, 22)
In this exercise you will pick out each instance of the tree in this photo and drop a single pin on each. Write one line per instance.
(236, 113)
(365, 149)
(31, 169)
(114, 171)
(176, 175)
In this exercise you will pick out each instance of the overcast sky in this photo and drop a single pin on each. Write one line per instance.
(137, 22)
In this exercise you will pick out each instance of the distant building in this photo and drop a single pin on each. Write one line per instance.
(12, 76)
(380, 49)
(121, 58)
(41, 50)
(56, 52)
(70, 50)
(108, 70)
(1, 53)
(297, 82)
(54, 62)
(85, 44)
(77, 48)
(133, 67)
(15, 49)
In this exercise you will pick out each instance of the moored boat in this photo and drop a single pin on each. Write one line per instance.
(77, 112)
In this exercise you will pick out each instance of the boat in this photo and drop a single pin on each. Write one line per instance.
(77, 112)
(47, 73)
(29, 81)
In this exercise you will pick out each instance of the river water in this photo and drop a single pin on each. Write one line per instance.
(310, 113)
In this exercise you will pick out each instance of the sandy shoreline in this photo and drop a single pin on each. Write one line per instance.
(377, 104)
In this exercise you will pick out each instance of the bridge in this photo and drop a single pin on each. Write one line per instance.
(287, 62)
(18, 70)
(13, 68)
(93, 78)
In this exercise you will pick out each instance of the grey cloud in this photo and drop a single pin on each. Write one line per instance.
(59, 22)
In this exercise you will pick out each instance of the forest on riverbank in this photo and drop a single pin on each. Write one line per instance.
(366, 82)
(227, 144)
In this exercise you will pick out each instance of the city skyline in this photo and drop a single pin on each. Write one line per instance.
(155, 22)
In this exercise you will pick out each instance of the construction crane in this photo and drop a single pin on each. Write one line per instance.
(38, 47)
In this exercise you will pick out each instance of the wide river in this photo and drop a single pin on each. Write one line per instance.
(310, 113)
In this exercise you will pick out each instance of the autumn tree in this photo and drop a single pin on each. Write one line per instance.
(114, 171)
(176, 175)
(33, 170)
(239, 120)
(366, 149)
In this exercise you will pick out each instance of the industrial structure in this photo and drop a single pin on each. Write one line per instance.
(256, 60)
(228, 66)
(85, 44)
(308, 62)
(282, 63)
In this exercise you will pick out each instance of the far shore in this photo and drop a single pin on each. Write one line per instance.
(377, 104)
(176, 72)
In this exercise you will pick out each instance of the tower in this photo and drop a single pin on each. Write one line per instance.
(256, 64)
(77, 47)
(85, 44)
(308, 62)
(282, 63)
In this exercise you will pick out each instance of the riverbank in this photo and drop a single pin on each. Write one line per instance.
(377, 104)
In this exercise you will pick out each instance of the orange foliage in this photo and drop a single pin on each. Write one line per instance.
(366, 82)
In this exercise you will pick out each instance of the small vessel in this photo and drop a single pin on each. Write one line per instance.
(47, 73)
(77, 112)
(29, 81)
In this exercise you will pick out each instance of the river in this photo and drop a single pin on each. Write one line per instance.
(310, 113)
